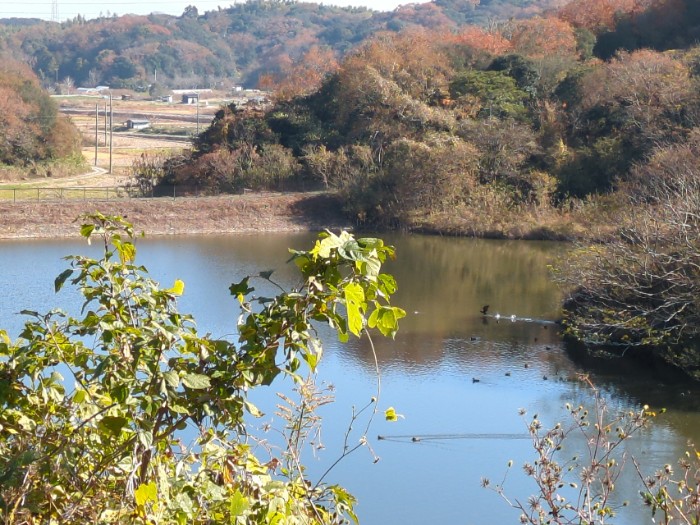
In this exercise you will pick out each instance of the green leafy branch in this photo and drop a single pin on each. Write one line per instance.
(106, 446)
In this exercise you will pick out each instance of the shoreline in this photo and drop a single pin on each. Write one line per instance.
(252, 213)
(249, 213)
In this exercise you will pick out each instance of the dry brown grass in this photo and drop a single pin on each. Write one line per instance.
(594, 219)
(166, 216)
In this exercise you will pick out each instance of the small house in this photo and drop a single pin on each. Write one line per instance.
(190, 98)
(137, 124)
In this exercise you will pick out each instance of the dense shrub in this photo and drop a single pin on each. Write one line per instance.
(30, 128)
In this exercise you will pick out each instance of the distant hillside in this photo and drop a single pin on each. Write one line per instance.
(225, 46)
(21, 22)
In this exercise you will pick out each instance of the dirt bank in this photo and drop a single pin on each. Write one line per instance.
(204, 215)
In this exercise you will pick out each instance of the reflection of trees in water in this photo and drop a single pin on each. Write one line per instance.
(448, 280)
(528, 344)
(640, 381)
(632, 383)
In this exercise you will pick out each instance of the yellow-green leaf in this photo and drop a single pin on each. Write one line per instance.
(145, 493)
(354, 304)
(178, 288)
(238, 504)
(126, 250)
(391, 415)
(113, 424)
(172, 378)
(79, 396)
(252, 409)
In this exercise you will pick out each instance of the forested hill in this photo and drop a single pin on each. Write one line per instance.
(489, 121)
(231, 45)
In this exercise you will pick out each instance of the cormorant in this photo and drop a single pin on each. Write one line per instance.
(484, 309)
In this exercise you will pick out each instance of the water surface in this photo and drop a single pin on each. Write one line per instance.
(457, 378)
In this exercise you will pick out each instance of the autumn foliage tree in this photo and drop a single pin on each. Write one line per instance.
(30, 128)
(600, 15)
(391, 86)
(478, 39)
(302, 76)
(543, 37)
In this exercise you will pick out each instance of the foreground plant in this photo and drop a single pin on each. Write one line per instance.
(674, 498)
(95, 410)
(577, 489)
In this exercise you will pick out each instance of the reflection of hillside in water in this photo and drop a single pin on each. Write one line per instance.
(423, 352)
(448, 280)
(443, 284)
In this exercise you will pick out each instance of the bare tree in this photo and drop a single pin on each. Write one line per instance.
(66, 86)
(642, 287)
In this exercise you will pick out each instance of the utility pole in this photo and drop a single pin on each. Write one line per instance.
(54, 11)
(97, 129)
(197, 113)
(106, 113)
(111, 122)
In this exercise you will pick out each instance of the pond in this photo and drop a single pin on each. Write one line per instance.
(457, 378)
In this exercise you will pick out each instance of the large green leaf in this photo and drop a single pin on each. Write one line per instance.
(196, 381)
(61, 279)
(86, 230)
(113, 424)
(386, 319)
(355, 305)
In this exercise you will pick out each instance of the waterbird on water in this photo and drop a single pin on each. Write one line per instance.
(484, 309)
